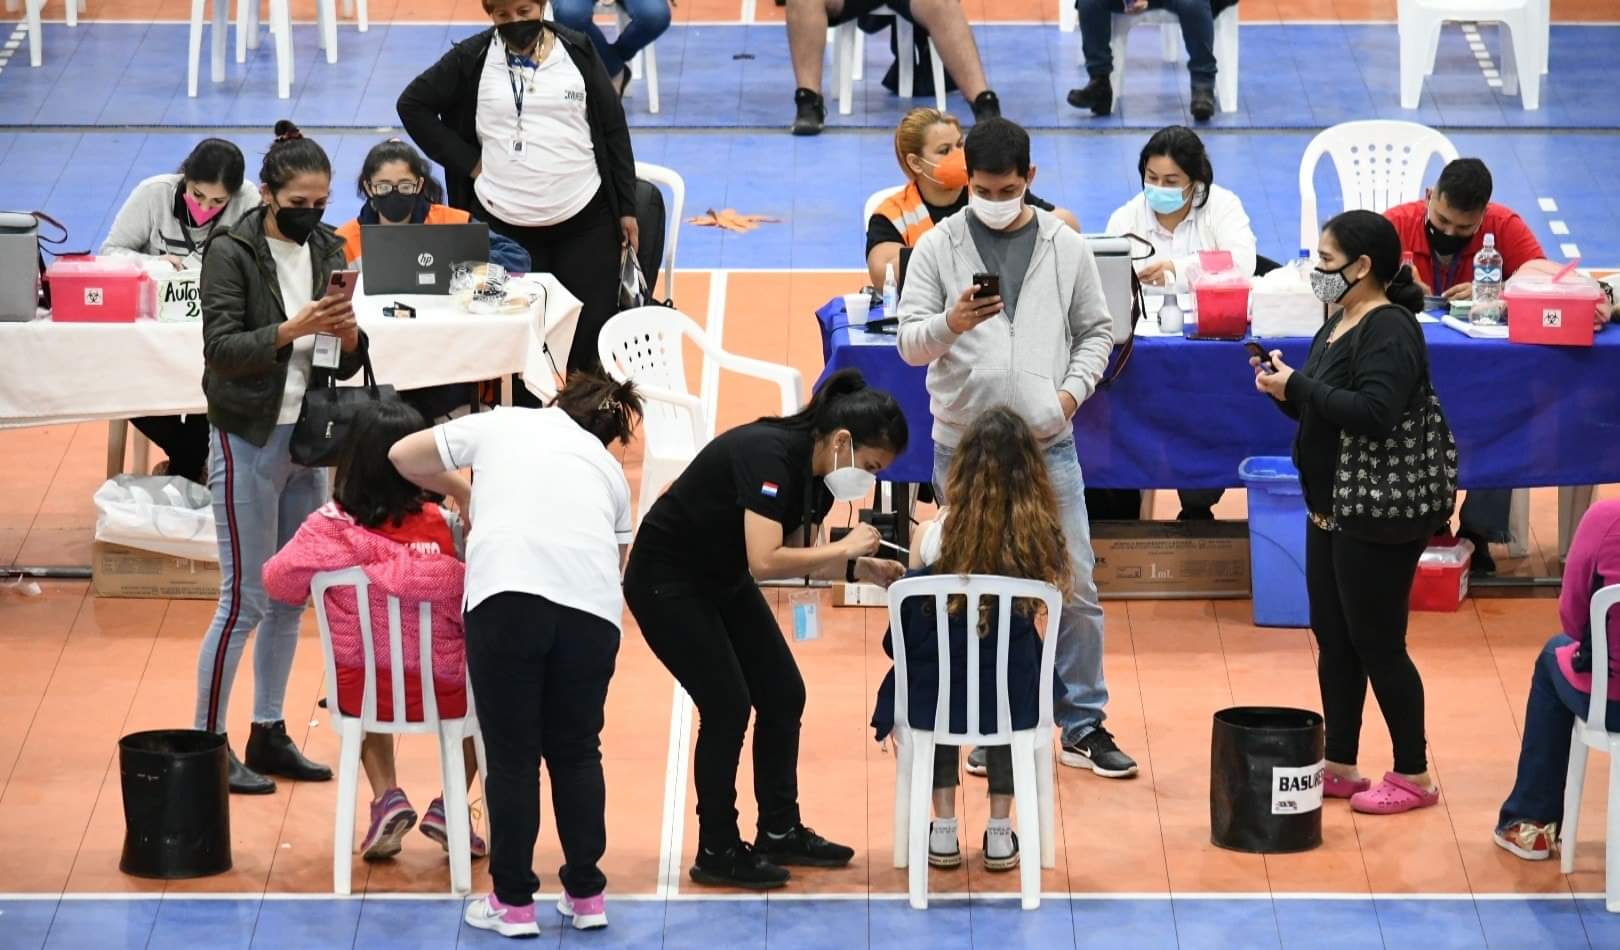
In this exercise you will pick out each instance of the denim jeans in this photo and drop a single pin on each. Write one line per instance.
(648, 21)
(261, 497)
(1486, 513)
(1549, 715)
(1197, 31)
(1079, 693)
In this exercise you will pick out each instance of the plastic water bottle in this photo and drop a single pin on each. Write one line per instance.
(891, 292)
(1170, 317)
(1487, 307)
(1302, 265)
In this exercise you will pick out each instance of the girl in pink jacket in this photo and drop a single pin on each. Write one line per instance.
(409, 548)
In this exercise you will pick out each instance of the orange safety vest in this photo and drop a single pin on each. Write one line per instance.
(907, 212)
(437, 214)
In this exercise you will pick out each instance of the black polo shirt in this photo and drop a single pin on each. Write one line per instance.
(763, 467)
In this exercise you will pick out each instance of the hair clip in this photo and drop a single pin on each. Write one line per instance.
(608, 404)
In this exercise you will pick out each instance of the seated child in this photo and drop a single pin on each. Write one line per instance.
(1003, 520)
(409, 548)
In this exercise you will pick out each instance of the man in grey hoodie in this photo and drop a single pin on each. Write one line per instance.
(1039, 347)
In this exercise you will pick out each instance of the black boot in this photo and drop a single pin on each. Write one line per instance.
(271, 751)
(1483, 564)
(1098, 96)
(245, 781)
(812, 112)
(1203, 103)
(986, 106)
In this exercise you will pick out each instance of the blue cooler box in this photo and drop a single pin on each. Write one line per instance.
(1276, 542)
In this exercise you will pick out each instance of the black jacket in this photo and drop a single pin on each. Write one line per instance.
(439, 110)
(244, 373)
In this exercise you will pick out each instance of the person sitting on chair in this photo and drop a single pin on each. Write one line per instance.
(1096, 40)
(647, 21)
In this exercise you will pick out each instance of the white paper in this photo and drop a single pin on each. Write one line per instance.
(1296, 791)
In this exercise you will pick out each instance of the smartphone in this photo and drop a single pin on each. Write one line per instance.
(342, 284)
(989, 286)
(1259, 352)
(1432, 303)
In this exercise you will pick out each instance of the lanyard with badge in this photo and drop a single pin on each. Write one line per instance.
(519, 87)
(806, 603)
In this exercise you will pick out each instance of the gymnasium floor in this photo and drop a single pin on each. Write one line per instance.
(1134, 864)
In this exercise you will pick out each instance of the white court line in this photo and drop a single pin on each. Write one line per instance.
(1570, 250)
(672, 826)
(1548, 205)
(1558, 227)
(1563, 896)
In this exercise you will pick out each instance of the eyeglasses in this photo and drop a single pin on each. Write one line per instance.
(380, 188)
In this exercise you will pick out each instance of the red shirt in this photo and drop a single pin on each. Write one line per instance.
(1514, 239)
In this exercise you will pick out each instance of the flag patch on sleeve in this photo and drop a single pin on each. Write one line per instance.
(769, 489)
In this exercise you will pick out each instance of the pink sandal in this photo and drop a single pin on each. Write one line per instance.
(1392, 796)
(1337, 786)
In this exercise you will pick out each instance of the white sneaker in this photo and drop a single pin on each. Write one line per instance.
(488, 913)
(588, 913)
(943, 849)
(1000, 848)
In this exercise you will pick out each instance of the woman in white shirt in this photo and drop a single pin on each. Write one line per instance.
(1181, 211)
(532, 137)
(550, 521)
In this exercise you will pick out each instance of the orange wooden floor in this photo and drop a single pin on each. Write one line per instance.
(78, 672)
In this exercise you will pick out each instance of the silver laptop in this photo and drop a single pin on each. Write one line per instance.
(1113, 256)
(416, 258)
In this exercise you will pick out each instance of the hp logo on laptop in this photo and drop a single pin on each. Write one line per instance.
(424, 259)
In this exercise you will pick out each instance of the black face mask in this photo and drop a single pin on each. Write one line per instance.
(394, 207)
(519, 34)
(1445, 244)
(297, 224)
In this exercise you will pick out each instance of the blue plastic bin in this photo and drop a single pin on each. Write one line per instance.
(1276, 542)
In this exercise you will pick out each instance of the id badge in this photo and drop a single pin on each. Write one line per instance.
(517, 146)
(328, 351)
(806, 617)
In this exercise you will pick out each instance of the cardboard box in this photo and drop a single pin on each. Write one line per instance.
(117, 571)
(1171, 559)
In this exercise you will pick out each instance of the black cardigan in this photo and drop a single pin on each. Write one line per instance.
(439, 110)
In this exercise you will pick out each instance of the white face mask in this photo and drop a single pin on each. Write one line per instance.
(996, 215)
(849, 483)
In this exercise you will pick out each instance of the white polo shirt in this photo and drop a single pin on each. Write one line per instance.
(553, 176)
(550, 507)
(1220, 225)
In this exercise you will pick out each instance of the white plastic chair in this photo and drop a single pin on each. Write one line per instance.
(451, 732)
(247, 16)
(877, 198)
(1589, 733)
(1226, 49)
(646, 345)
(667, 178)
(849, 55)
(1380, 164)
(1033, 798)
(644, 65)
(1523, 29)
(31, 10)
(1068, 16)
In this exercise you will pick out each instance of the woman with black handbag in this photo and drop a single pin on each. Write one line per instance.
(263, 316)
(1379, 471)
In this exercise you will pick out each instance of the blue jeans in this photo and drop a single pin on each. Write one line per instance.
(260, 498)
(648, 21)
(1197, 31)
(1079, 693)
(1549, 716)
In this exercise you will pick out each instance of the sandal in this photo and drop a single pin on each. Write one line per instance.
(1392, 796)
(1337, 786)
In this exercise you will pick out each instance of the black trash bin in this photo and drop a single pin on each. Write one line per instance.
(1265, 779)
(177, 804)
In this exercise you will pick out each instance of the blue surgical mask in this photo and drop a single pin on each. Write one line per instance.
(1164, 200)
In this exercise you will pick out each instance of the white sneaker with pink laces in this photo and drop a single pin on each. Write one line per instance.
(588, 913)
(488, 913)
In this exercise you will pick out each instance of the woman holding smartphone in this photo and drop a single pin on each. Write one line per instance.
(264, 304)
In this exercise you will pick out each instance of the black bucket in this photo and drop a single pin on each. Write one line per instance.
(1265, 779)
(177, 804)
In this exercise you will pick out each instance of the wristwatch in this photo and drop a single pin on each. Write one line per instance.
(849, 571)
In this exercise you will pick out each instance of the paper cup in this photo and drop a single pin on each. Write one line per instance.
(857, 307)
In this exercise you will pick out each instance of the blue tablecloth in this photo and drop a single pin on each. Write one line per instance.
(1185, 412)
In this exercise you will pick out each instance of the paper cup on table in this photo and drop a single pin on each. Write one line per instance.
(857, 307)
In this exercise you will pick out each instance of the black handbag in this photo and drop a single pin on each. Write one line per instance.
(329, 410)
(1404, 484)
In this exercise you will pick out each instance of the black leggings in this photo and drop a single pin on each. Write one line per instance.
(1359, 606)
(997, 766)
(583, 254)
(540, 676)
(184, 439)
(726, 649)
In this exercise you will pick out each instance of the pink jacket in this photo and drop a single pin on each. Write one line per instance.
(329, 540)
(1594, 562)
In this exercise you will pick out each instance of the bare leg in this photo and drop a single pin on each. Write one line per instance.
(807, 38)
(469, 756)
(377, 758)
(945, 802)
(948, 27)
(1001, 806)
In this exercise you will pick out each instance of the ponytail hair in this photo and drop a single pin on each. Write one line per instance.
(1369, 234)
(844, 401)
(606, 409)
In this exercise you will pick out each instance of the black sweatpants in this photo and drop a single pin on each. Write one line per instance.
(1359, 607)
(540, 676)
(726, 649)
(583, 254)
(184, 439)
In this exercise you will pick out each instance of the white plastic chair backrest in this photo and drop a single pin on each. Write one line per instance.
(1380, 162)
(671, 179)
(878, 197)
(355, 578)
(1595, 731)
(974, 588)
(645, 345)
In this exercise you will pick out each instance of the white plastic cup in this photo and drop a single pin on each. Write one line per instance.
(858, 307)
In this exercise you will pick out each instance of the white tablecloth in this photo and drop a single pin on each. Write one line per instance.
(73, 372)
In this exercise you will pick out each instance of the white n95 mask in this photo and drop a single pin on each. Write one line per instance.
(849, 483)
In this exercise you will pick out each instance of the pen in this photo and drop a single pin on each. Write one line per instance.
(890, 544)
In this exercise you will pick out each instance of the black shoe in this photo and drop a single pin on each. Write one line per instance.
(271, 751)
(812, 114)
(977, 763)
(245, 781)
(1098, 96)
(1099, 753)
(622, 81)
(737, 866)
(1196, 514)
(1203, 103)
(1482, 565)
(987, 105)
(803, 847)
